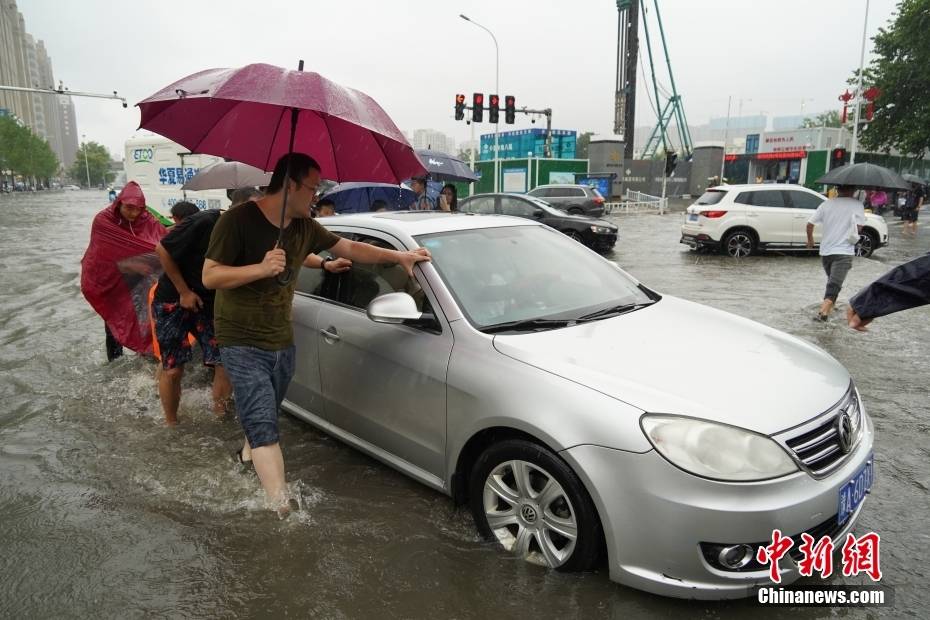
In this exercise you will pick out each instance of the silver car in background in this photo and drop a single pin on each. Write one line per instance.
(523, 374)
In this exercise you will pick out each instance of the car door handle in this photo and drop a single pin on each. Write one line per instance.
(330, 335)
(752, 215)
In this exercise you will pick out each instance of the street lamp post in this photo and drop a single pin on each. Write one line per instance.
(855, 136)
(86, 165)
(497, 74)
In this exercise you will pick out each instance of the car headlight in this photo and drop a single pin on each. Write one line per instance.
(715, 450)
(601, 230)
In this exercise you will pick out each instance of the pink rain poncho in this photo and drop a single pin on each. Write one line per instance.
(120, 266)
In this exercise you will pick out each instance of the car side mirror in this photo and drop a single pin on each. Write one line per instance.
(395, 308)
(538, 213)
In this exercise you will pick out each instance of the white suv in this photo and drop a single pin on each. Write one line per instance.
(740, 219)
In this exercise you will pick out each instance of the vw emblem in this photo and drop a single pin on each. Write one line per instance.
(528, 513)
(844, 432)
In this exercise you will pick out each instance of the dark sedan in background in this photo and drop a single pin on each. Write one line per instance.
(599, 235)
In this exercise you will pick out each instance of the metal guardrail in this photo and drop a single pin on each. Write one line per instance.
(637, 202)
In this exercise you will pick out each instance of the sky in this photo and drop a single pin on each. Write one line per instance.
(413, 56)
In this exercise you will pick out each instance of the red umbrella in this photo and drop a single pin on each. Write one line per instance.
(249, 114)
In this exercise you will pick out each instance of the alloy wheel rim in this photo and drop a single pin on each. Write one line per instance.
(739, 245)
(864, 245)
(530, 513)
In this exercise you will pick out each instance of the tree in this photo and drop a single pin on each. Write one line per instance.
(830, 118)
(901, 71)
(23, 153)
(98, 163)
(581, 144)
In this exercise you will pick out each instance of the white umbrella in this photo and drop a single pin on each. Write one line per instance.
(227, 175)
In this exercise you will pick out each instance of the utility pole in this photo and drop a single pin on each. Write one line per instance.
(625, 87)
(726, 131)
(855, 136)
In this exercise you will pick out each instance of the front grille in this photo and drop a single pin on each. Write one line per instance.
(817, 444)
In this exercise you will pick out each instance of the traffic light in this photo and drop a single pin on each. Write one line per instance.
(837, 157)
(671, 160)
(477, 107)
(510, 109)
(459, 107)
(493, 108)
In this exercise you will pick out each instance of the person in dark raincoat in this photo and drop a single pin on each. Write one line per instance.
(118, 268)
(904, 287)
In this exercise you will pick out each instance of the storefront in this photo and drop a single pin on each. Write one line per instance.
(778, 167)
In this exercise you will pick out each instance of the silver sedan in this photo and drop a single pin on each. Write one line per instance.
(523, 374)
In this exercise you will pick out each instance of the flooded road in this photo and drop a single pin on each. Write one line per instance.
(106, 513)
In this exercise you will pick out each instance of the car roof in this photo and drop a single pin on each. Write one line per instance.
(414, 223)
(562, 185)
(758, 186)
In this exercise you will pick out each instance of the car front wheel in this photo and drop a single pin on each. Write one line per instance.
(531, 503)
(738, 243)
(574, 234)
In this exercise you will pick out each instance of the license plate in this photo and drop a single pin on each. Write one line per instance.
(853, 492)
(692, 217)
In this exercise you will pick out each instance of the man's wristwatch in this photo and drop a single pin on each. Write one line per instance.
(326, 260)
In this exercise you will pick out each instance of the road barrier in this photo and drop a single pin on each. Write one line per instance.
(637, 202)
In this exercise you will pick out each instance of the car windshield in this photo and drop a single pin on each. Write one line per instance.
(524, 273)
(711, 197)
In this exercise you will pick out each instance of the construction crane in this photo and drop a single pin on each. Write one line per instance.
(666, 103)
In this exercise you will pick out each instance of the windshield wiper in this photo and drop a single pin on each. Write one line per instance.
(613, 311)
(527, 325)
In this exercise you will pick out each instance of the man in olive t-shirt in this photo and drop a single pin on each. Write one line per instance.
(252, 311)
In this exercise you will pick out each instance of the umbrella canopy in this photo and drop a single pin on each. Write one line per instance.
(359, 197)
(443, 167)
(913, 178)
(242, 114)
(864, 175)
(227, 175)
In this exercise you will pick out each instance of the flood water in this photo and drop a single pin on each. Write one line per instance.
(104, 512)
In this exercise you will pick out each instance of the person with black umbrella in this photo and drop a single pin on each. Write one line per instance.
(841, 221)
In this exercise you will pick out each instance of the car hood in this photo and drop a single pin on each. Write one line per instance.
(683, 358)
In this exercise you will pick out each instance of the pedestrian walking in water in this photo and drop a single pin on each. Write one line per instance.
(253, 307)
(912, 205)
(182, 305)
(841, 220)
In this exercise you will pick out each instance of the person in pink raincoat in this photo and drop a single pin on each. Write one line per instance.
(119, 267)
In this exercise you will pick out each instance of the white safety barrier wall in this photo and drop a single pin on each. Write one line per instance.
(637, 202)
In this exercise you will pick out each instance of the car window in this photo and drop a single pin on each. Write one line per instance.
(713, 196)
(744, 198)
(517, 207)
(479, 204)
(310, 281)
(803, 200)
(358, 286)
(575, 192)
(772, 198)
(542, 192)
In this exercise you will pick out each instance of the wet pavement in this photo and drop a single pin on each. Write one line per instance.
(105, 512)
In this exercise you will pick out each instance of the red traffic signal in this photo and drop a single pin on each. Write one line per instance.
(477, 107)
(494, 109)
(837, 157)
(459, 107)
(510, 109)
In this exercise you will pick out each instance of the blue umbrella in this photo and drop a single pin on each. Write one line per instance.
(443, 167)
(358, 197)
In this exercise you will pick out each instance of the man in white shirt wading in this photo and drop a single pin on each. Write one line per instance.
(841, 219)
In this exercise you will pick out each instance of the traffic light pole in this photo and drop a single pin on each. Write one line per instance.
(855, 136)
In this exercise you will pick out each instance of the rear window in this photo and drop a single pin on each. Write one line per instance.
(711, 197)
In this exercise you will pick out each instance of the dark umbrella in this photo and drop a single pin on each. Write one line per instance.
(258, 113)
(443, 167)
(913, 178)
(864, 175)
